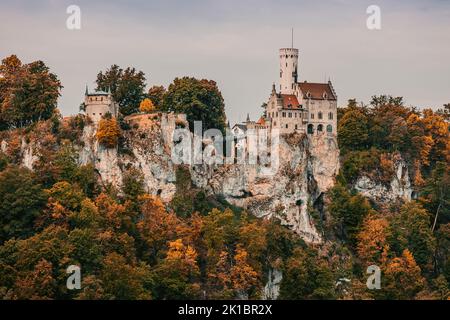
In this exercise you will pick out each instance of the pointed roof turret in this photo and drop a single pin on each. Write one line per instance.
(87, 91)
(248, 117)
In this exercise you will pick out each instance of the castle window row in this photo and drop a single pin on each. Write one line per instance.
(96, 99)
(310, 128)
(320, 116)
(299, 115)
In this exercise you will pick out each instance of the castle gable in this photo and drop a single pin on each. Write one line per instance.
(317, 91)
(290, 101)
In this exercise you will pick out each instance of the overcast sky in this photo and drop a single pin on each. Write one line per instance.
(236, 44)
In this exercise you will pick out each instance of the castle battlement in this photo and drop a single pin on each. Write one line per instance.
(99, 103)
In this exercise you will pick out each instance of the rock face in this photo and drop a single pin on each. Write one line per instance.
(307, 167)
(398, 188)
(272, 287)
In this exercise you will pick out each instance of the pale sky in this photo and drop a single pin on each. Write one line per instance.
(236, 44)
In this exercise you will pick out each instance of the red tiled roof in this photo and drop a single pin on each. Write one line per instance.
(290, 101)
(317, 90)
(261, 121)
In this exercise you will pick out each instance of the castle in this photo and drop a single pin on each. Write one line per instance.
(99, 103)
(298, 106)
(304, 107)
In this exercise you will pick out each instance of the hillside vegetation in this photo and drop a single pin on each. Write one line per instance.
(130, 245)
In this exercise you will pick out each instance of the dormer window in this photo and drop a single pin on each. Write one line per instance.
(324, 95)
(308, 95)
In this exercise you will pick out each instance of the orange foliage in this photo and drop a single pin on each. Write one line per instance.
(146, 106)
(108, 132)
(373, 245)
(403, 279)
(243, 276)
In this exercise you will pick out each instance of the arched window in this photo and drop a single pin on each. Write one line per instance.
(287, 126)
(330, 116)
(320, 115)
(329, 128)
(296, 127)
(310, 129)
(320, 128)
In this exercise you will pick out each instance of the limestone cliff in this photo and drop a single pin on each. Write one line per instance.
(307, 168)
(399, 187)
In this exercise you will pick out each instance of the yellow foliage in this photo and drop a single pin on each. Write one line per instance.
(146, 106)
(108, 132)
(184, 257)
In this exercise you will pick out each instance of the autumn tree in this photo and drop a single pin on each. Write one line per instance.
(156, 95)
(108, 132)
(244, 278)
(126, 85)
(177, 275)
(402, 278)
(156, 227)
(28, 92)
(373, 245)
(146, 106)
(200, 100)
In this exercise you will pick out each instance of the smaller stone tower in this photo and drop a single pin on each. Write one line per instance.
(98, 103)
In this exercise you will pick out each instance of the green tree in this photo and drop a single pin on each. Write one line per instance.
(200, 100)
(411, 230)
(127, 87)
(21, 200)
(306, 276)
(348, 212)
(353, 130)
(156, 95)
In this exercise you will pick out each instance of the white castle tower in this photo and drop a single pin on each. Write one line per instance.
(288, 70)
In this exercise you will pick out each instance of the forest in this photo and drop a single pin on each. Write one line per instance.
(131, 245)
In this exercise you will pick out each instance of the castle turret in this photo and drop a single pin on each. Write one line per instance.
(288, 70)
(99, 103)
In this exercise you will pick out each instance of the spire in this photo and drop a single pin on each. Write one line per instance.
(87, 91)
(274, 90)
(228, 124)
(248, 117)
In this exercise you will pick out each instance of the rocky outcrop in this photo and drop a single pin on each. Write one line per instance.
(272, 287)
(399, 187)
(307, 167)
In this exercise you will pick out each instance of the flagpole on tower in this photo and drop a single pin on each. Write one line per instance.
(292, 38)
